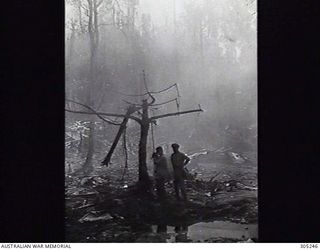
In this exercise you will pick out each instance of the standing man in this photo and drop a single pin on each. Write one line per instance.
(160, 172)
(179, 160)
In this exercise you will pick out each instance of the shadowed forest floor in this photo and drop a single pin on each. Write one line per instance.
(222, 206)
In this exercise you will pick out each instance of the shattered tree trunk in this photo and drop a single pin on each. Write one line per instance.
(144, 179)
(143, 169)
(87, 166)
(94, 43)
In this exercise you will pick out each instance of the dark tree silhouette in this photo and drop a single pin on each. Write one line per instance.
(143, 119)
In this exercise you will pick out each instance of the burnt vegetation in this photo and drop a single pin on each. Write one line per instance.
(144, 74)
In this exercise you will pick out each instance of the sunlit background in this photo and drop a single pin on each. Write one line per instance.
(207, 47)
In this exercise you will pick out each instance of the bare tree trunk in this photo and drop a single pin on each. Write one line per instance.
(131, 14)
(71, 43)
(174, 18)
(143, 169)
(201, 43)
(95, 23)
(90, 17)
(88, 163)
(80, 17)
(92, 25)
(144, 179)
(87, 166)
(113, 16)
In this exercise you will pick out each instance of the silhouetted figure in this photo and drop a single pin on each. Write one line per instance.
(160, 171)
(179, 160)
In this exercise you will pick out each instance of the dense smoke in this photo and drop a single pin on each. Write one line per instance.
(207, 47)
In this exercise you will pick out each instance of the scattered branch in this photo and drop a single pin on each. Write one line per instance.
(174, 114)
(130, 95)
(158, 104)
(160, 91)
(131, 103)
(144, 94)
(102, 113)
(91, 109)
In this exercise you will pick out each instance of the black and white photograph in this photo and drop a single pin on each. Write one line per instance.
(161, 121)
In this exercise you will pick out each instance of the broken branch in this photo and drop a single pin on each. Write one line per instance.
(147, 93)
(174, 114)
(91, 109)
(131, 103)
(122, 129)
(101, 113)
(158, 104)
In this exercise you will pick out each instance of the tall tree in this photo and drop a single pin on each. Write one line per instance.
(90, 25)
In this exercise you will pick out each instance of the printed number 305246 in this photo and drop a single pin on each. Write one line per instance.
(309, 245)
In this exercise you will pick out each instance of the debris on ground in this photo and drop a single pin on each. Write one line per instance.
(216, 191)
(92, 216)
